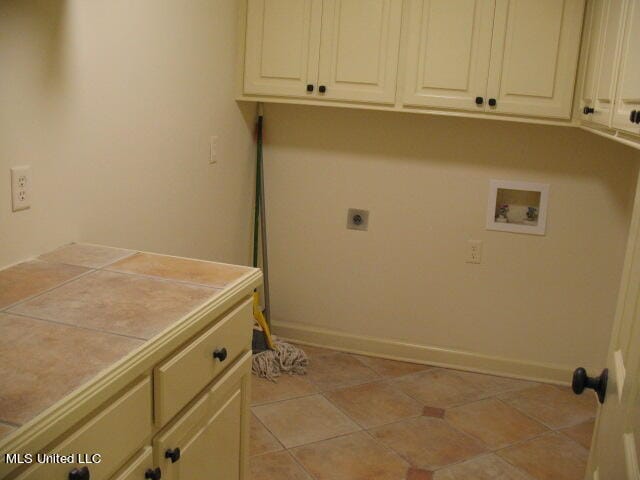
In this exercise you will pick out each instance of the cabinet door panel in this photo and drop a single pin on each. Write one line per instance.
(628, 92)
(212, 434)
(282, 46)
(593, 36)
(613, 22)
(534, 56)
(138, 467)
(359, 49)
(448, 51)
(116, 432)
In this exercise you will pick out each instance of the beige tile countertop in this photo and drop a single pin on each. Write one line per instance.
(70, 314)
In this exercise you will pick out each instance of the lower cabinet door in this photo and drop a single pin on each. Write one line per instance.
(116, 433)
(209, 440)
(140, 468)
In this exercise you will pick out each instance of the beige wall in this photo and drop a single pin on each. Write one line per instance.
(112, 103)
(542, 300)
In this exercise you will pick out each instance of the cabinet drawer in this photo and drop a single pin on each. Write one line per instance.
(178, 380)
(137, 468)
(208, 441)
(115, 433)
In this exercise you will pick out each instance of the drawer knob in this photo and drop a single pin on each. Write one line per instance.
(80, 474)
(479, 100)
(588, 110)
(322, 89)
(173, 454)
(493, 102)
(220, 354)
(153, 474)
(310, 88)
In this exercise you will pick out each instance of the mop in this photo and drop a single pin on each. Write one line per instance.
(271, 357)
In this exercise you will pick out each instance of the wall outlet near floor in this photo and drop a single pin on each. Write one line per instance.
(20, 188)
(358, 219)
(474, 251)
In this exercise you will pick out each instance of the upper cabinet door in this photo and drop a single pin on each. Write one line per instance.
(282, 46)
(594, 31)
(534, 56)
(448, 52)
(628, 92)
(359, 50)
(610, 41)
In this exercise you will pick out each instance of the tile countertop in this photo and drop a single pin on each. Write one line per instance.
(70, 314)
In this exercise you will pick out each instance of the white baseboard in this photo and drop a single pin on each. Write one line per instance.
(441, 357)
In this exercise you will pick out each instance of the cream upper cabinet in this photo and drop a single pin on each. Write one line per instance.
(628, 91)
(534, 57)
(507, 57)
(282, 46)
(359, 50)
(606, 29)
(594, 31)
(448, 53)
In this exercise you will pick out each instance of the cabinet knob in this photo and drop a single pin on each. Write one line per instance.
(479, 100)
(310, 88)
(635, 116)
(173, 454)
(492, 102)
(322, 89)
(588, 110)
(153, 474)
(80, 474)
(582, 381)
(220, 354)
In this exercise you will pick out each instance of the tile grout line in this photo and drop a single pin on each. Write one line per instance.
(164, 279)
(95, 267)
(268, 430)
(10, 424)
(391, 449)
(301, 465)
(48, 290)
(374, 426)
(80, 327)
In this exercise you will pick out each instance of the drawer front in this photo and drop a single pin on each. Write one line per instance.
(115, 433)
(137, 468)
(178, 380)
(210, 435)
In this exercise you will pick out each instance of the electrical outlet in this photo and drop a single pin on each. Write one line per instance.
(20, 188)
(213, 149)
(357, 219)
(474, 251)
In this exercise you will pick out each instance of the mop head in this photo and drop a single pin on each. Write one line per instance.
(284, 358)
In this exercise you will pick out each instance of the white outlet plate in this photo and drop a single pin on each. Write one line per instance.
(474, 251)
(20, 188)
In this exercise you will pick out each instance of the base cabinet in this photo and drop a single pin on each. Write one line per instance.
(204, 437)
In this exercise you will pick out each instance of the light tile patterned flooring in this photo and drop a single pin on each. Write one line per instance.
(362, 418)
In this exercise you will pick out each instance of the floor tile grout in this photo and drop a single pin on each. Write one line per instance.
(326, 391)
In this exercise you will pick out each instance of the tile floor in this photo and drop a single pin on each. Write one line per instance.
(361, 418)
